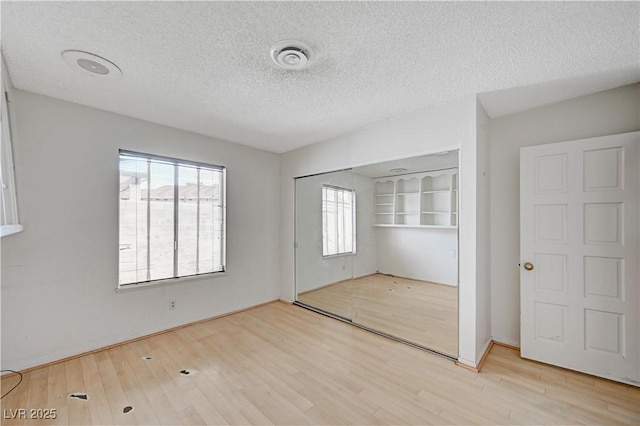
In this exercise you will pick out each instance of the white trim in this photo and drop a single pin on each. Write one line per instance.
(125, 288)
(11, 222)
(350, 166)
(10, 229)
(331, 256)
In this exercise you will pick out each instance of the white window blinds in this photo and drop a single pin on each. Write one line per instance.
(172, 218)
(338, 220)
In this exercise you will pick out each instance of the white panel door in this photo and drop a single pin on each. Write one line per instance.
(580, 261)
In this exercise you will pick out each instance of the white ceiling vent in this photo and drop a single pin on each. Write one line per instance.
(91, 65)
(291, 54)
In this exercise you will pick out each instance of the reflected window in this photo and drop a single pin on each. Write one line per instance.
(172, 218)
(338, 220)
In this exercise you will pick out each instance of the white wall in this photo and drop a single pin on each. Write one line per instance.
(610, 112)
(419, 253)
(313, 270)
(483, 244)
(442, 127)
(59, 275)
(366, 259)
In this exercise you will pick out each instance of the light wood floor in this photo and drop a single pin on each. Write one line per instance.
(281, 364)
(418, 311)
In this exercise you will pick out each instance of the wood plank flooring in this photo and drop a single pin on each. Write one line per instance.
(281, 364)
(418, 311)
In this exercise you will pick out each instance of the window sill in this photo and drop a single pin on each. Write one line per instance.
(168, 281)
(331, 256)
(10, 229)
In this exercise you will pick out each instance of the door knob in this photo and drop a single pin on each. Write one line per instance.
(528, 266)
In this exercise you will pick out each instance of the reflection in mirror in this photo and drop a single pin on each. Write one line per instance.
(402, 278)
(326, 241)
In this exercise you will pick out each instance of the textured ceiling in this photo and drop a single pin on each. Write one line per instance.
(205, 66)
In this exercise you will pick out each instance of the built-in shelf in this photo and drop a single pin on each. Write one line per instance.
(414, 226)
(422, 200)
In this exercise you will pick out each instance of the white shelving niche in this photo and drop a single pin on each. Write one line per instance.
(384, 202)
(422, 200)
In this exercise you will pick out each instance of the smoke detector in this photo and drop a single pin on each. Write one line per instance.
(291, 54)
(91, 65)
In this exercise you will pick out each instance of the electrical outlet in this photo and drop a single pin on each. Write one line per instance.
(172, 304)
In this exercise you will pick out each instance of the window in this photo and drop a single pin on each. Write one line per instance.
(172, 218)
(338, 220)
(9, 223)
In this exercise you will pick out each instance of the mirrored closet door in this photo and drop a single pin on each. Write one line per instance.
(326, 242)
(378, 246)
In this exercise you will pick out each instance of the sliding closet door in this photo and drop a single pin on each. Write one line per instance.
(325, 242)
(377, 246)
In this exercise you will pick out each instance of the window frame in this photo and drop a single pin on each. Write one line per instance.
(323, 221)
(176, 162)
(10, 223)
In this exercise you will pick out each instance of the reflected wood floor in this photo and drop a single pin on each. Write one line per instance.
(418, 311)
(281, 364)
